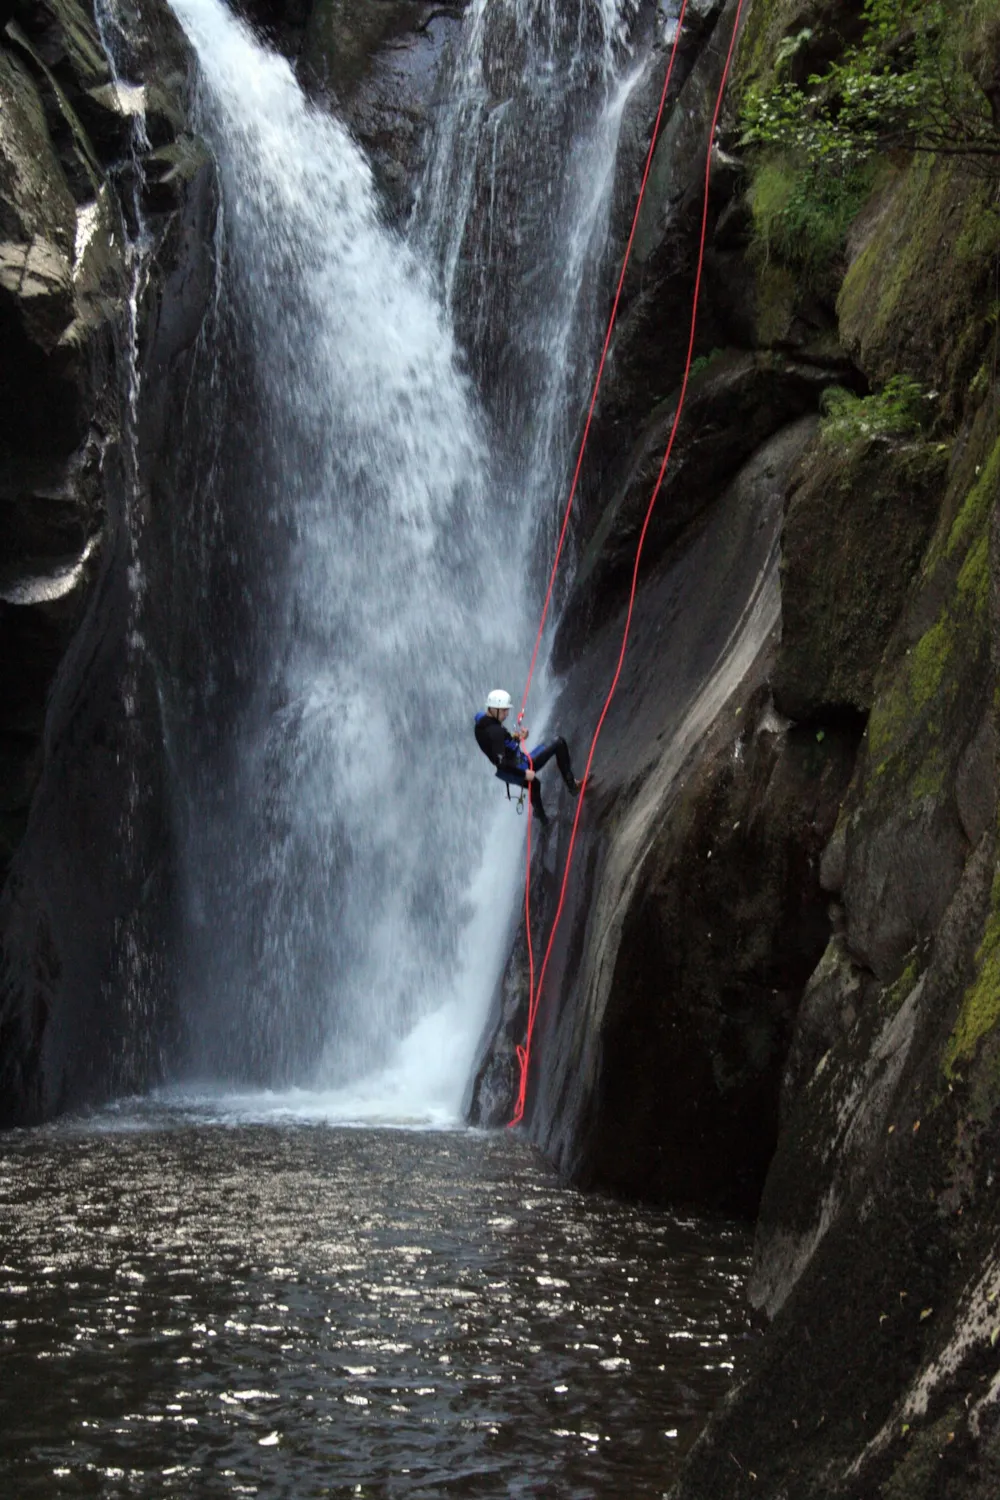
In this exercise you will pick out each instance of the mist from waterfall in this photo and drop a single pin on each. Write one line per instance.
(359, 560)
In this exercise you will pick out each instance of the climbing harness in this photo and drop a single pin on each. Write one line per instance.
(535, 988)
(520, 800)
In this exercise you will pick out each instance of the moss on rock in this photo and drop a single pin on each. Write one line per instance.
(980, 1009)
(922, 219)
(857, 521)
(913, 718)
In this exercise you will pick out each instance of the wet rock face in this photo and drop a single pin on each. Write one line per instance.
(378, 62)
(76, 704)
(733, 407)
(646, 969)
(696, 914)
(856, 527)
(877, 1234)
(54, 370)
(877, 1239)
(282, 22)
(776, 985)
(715, 952)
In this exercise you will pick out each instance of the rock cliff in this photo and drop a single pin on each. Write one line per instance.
(94, 331)
(776, 989)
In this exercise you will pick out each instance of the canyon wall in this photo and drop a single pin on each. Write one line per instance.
(775, 989)
(95, 341)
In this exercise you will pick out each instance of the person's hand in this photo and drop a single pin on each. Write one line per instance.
(529, 775)
(522, 734)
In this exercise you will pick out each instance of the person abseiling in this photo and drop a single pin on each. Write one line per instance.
(512, 765)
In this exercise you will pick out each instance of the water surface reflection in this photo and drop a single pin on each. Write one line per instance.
(208, 1310)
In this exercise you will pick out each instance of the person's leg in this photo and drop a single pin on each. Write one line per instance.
(564, 764)
(536, 802)
(542, 754)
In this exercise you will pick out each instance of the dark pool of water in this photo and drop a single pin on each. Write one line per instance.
(208, 1310)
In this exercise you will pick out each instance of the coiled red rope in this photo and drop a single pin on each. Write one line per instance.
(535, 989)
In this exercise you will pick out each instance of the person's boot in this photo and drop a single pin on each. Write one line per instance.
(572, 785)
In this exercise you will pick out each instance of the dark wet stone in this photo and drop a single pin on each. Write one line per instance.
(378, 62)
(75, 911)
(733, 406)
(715, 951)
(857, 522)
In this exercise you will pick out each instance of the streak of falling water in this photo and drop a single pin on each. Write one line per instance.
(329, 872)
(514, 213)
(344, 927)
(134, 971)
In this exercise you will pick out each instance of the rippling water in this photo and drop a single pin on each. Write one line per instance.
(201, 1309)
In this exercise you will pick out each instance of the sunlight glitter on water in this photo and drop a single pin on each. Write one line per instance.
(291, 1311)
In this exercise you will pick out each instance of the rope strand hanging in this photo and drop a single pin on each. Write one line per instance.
(598, 378)
(535, 989)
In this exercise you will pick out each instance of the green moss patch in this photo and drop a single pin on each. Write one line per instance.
(904, 303)
(911, 731)
(977, 505)
(980, 1010)
(893, 997)
(801, 215)
(900, 409)
(857, 523)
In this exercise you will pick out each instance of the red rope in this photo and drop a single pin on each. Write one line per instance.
(534, 991)
(604, 355)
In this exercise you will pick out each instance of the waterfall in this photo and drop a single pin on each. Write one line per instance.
(355, 568)
(513, 212)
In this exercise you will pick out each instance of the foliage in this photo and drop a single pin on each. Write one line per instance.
(901, 409)
(802, 214)
(924, 77)
(704, 360)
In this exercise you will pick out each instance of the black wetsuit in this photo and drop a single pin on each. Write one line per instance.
(511, 761)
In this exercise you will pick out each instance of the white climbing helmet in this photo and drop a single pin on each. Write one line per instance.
(499, 699)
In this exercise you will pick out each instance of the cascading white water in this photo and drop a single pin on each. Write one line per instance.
(351, 868)
(334, 885)
(514, 212)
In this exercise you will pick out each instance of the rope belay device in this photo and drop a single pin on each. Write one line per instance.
(521, 799)
(535, 987)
